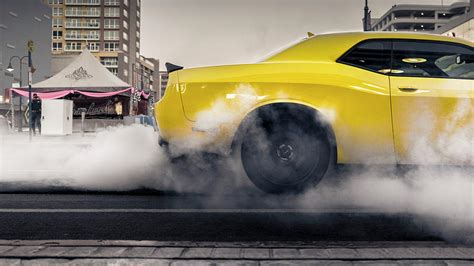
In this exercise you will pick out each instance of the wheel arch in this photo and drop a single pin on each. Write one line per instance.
(296, 108)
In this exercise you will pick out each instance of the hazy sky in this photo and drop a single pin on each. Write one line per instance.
(213, 32)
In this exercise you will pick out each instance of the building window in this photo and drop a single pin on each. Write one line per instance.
(57, 46)
(113, 71)
(111, 46)
(125, 24)
(138, 44)
(125, 36)
(111, 12)
(125, 2)
(110, 23)
(125, 73)
(57, 34)
(125, 47)
(112, 2)
(94, 46)
(57, 11)
(57, 22)
(73, 46)
(125, 13)
(111, 35)
(109, 61)
(125, 59)
(55, 2)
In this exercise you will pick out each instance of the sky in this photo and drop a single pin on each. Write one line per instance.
(196, 33)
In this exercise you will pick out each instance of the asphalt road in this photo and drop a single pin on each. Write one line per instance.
(154, 215)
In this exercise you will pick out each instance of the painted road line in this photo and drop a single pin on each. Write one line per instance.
(303, 211)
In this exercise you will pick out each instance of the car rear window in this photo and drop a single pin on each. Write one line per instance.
(372, 55)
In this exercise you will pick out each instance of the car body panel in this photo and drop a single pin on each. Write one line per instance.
(356, 102)
(428, 115)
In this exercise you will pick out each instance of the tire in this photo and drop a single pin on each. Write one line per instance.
(285, 151)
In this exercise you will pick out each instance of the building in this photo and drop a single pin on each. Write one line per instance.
(426, 18)
(461, 27)
(21, 21)
(110, 29)
(163, 82)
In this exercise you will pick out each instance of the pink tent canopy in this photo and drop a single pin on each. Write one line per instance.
(60, 94)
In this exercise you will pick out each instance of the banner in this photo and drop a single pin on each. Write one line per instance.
(60, 94)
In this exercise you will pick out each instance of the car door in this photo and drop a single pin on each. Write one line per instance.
(432, 91)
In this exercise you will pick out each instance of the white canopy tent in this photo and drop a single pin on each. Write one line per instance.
(84, 73)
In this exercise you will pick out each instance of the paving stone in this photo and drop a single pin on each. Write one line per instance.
(376, 263)
(422, 262)
(23, 251)
(430, 253)
(110, 252)
(459, 262)
(52, 251)
(306, 262)
(314, 253)
(45, 262)
(399, 253)
(5, 248)
(213, 263)
(80, 251)
(467, 252)
(286, 253)
(197, 253)
(8, 262)
(256, 253)
(167, 252)
(343, 253)
(226, 253)
(372, 253)
(139, 252)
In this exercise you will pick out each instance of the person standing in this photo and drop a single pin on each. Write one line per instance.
(35, 114)
(118, 108)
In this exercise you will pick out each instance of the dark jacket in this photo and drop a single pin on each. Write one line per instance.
(36, 106)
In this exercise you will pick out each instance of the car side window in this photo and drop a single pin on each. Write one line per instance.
(432, 59)
(373, 55)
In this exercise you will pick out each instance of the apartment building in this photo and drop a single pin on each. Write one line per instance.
(110, 29)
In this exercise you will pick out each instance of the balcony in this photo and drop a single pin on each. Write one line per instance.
(83, 25)
(81, 37)
(83, 2)
(82, 13)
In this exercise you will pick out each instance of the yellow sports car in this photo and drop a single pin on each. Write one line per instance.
(348, 98)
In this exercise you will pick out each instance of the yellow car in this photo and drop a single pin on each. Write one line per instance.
(348, 98)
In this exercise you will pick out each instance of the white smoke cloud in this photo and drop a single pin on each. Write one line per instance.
(126, 158)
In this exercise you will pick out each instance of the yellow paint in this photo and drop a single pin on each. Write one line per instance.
(356, 102)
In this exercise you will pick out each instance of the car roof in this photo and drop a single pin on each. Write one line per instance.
(329, 47)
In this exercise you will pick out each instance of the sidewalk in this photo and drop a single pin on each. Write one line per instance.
(254, 253)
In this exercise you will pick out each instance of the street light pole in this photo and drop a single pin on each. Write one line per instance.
(30, 81)
(10, 68)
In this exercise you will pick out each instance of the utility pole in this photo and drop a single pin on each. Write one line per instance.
(367, 17)
(30, 81)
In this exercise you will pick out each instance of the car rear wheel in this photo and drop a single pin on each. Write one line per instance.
(285, 153)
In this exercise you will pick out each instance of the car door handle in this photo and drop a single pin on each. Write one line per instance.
(408, 89)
